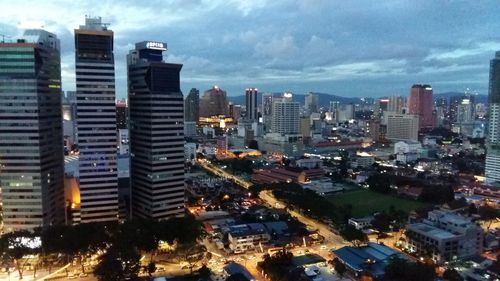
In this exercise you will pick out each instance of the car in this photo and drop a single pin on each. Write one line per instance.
(160, 269)
(81, 275)
(323, 247)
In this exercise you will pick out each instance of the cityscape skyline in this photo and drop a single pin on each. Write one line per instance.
(329, 50)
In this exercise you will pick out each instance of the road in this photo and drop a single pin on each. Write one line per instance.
(266, 196)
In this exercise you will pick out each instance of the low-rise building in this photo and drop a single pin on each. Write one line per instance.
(445, 236)
(245, 237)
(289, 175)
(361, 223)
(370, 260)
(363, 160)
(323, 186)
(407, 147)
(407, 157)
(309, 163)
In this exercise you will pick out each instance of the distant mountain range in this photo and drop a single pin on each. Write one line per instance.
(325, 99)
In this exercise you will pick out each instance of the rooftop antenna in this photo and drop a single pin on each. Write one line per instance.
(3, 37)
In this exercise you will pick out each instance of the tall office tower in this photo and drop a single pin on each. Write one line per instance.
(121, 114)
(345, 112)
(402, 127)
(465, 110)
(192, 106)
(311, 102)
(396, 104)
(31, 134)
(267, 111)
(441, 107)
(156, 133)
(285, 116)
(492, 170)
(213, 102)
(69, 119)
(459, 107)
(96, 121)
(334, 106)
(251, 103)
(420, 103)
(381, 106)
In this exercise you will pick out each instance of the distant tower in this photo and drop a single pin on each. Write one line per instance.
(285, 115)
(267, 111)
(96, 121)
(213, 103)
(192, 106)
(492, 170)
(311, 102)
(396, 104)
(31, 133)
(420, 103)
(156, 133)
(251, 103)
(121, 114)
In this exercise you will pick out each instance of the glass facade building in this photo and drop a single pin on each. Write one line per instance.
(31, 140)
(192, 106)
(96, 122)
(492, 170)
(156, 133)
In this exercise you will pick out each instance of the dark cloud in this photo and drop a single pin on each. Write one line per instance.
(343, 47)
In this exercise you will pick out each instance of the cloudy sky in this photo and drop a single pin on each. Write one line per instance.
(350, 48)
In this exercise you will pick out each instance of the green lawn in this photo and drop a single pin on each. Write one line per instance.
(365, 202)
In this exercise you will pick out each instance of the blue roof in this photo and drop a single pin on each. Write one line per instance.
(280, 227)
(234, 268)
(356, 257)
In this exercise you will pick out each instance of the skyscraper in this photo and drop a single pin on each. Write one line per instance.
(492, 170)
(192, 106)
(311, 102)
(156, 133)
(96, 121)
(121, 114)
(396, 104)
(267, 111)
(420, 103)
(251, 103)
(402, 127)
(31, 134)
(285, 116)
(213, 102)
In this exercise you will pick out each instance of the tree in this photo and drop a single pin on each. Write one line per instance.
(339, 267)
(276, 266)
(353, 235)
(380, 183)
(150, 268)
(191, 254)
(204, 272)
(75, 241)
(488, 214)
(401, 269)
(452, 275)
(14, 246)
(118, 263)
(381, 223)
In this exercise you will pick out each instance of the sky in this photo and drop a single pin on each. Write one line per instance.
(350, 48)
